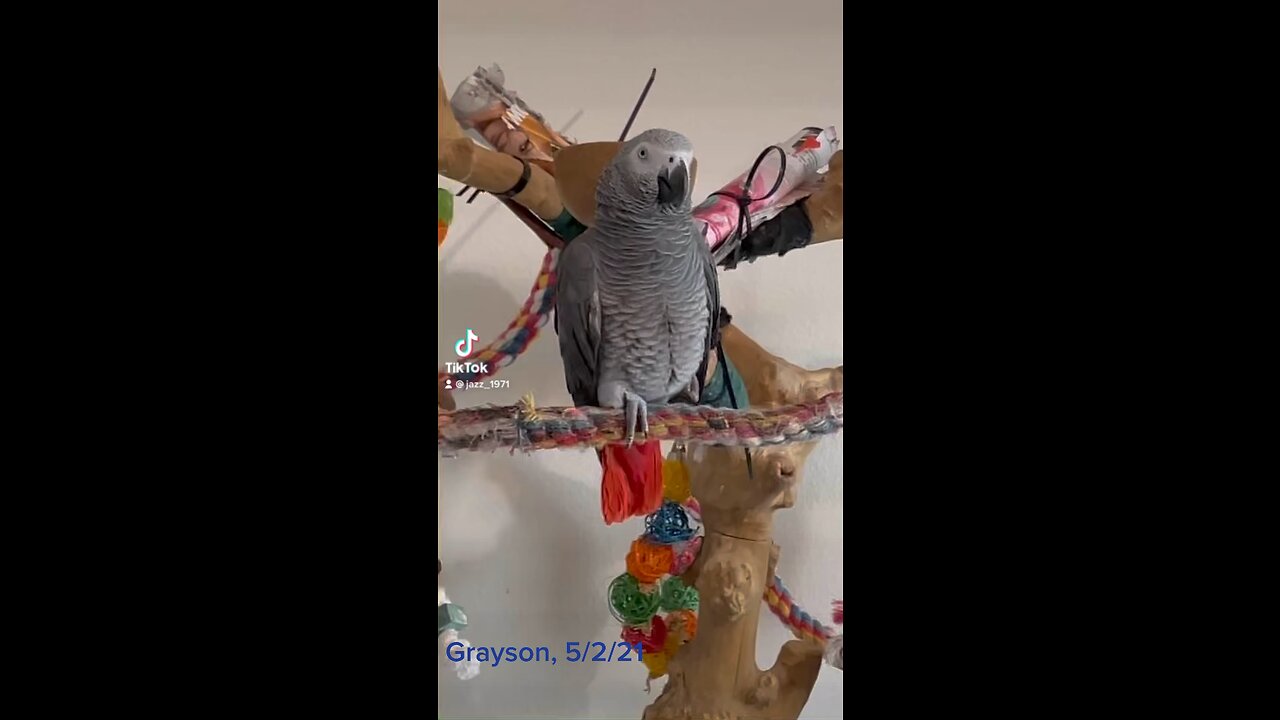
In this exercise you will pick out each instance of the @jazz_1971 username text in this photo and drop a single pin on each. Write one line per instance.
(574, 652)
(477, 385)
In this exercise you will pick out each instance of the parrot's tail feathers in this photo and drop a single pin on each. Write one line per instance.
(615, 491)
(632, 480)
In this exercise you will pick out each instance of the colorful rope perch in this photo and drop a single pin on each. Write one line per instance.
(521, 427)
(780, 601)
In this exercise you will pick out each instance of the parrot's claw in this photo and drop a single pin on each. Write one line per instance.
(637, 411)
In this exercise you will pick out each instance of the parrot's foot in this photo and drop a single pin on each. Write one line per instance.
(637, 410)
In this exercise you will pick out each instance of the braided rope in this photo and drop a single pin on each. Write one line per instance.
(523, 329)
(780, 601)
(522, 427)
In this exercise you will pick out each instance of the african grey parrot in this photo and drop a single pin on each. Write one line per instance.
(637, 307)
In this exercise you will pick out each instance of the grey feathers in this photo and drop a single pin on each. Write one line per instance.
(578, 318)
(637, 297)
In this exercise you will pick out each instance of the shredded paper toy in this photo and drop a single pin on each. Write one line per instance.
(498, 117)
(777, 181)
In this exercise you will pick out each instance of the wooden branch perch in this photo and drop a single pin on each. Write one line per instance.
(715, 675)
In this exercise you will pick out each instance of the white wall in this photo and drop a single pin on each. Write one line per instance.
(524, 548)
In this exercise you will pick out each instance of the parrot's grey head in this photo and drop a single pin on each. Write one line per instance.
(649, 174)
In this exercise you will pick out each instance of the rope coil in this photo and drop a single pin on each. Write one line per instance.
(780, 601)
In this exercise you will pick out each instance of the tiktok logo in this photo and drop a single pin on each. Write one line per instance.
(466, 341)
(463, 347)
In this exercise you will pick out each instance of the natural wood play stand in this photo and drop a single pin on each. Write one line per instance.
(715, 675)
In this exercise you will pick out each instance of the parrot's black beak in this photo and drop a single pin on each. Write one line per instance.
(673, 184)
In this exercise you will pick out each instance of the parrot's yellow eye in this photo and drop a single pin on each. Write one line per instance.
(643, 154)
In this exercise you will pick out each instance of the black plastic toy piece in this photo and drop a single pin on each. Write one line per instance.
(788, 231)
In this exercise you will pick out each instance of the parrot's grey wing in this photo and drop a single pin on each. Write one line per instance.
(578, 318)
